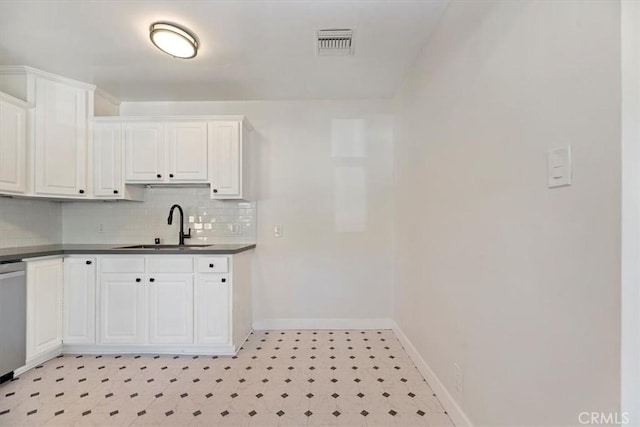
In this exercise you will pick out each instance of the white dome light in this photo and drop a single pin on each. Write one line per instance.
(173, 40)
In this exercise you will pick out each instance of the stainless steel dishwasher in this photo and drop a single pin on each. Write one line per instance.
(13, 318)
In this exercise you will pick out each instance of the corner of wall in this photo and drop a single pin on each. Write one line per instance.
(455, 412)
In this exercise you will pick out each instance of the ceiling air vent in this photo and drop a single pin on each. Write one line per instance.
(335, 42)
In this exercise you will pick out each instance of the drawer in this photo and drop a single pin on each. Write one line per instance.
(212, 264)
(122, 264)
(170, 264)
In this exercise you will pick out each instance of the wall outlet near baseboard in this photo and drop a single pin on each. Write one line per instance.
(458, 378)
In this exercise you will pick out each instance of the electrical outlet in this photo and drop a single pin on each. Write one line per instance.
(277, 231)
(458, 379)
(100, 228)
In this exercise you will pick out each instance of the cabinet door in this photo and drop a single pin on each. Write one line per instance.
(170, 308)
(144, 152)
(213, 300)
(60, 139)
(122, 308)
(187, 151)
(44, 306)
(224, 159)
(79, 312)
(13, 143)
(107, 156)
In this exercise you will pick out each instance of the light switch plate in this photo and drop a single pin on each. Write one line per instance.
(559, 167)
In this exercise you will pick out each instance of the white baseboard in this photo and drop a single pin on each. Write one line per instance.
(39, 360)
(454, 410)
(218, 350)
(239, 346)
(266, 324)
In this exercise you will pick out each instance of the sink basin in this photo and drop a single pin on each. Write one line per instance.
(166, 247)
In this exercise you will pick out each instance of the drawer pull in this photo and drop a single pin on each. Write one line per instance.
(159, 176)
(88, 262)
(115, 191)
(215, 190)
(81, 191)
(138, 280)
(152, 280)
(210, 265)
(223, 280)
(170, 175)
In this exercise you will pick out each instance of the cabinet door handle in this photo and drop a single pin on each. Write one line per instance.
(215, 190)
(170, 175)
(81, 191)
(152, 280)
(223, 280)
(138, 280)
(88, 262)
(159, 176)
(115, 191)
(210, 265)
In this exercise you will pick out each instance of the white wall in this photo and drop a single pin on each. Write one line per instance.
(631, 210)
(325, 176)
(517, 283)
(26, 222)
(211, 221)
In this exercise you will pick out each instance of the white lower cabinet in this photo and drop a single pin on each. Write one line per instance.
(213, 301)
(44, 307)
(79, 314)
(169, 303)
(170, 308)
(122, 308)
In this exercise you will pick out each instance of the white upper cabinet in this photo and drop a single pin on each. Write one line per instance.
(60, 150)
(13, 144)
(61, 137)
(186, 151)
(108, 170)
(144, 152)
(229, 160)
(165, 152)
(53, 160)
(107, 159)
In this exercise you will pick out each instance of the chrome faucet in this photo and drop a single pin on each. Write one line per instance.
(181, 235)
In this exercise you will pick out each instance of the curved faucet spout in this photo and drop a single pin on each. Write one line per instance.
(181, 235)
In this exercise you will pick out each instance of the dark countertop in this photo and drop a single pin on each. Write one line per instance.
(16, 254)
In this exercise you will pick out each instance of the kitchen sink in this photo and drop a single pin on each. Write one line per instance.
(166, 247)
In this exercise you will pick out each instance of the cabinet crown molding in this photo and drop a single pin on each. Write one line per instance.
(15, 101)
(26, 70)
(134, 119)
(106, 95)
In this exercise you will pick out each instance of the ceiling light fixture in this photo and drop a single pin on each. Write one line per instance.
(173, 40)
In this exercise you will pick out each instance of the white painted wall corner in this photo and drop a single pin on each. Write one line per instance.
(454, 410)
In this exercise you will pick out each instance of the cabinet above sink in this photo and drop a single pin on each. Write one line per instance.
(60, 150)
(180, 150)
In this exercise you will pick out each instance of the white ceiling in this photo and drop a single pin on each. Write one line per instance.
(249, 49)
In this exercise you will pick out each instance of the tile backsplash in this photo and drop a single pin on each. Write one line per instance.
(211, 221)
(26, 222)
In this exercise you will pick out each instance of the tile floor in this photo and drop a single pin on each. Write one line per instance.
(279, 378)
